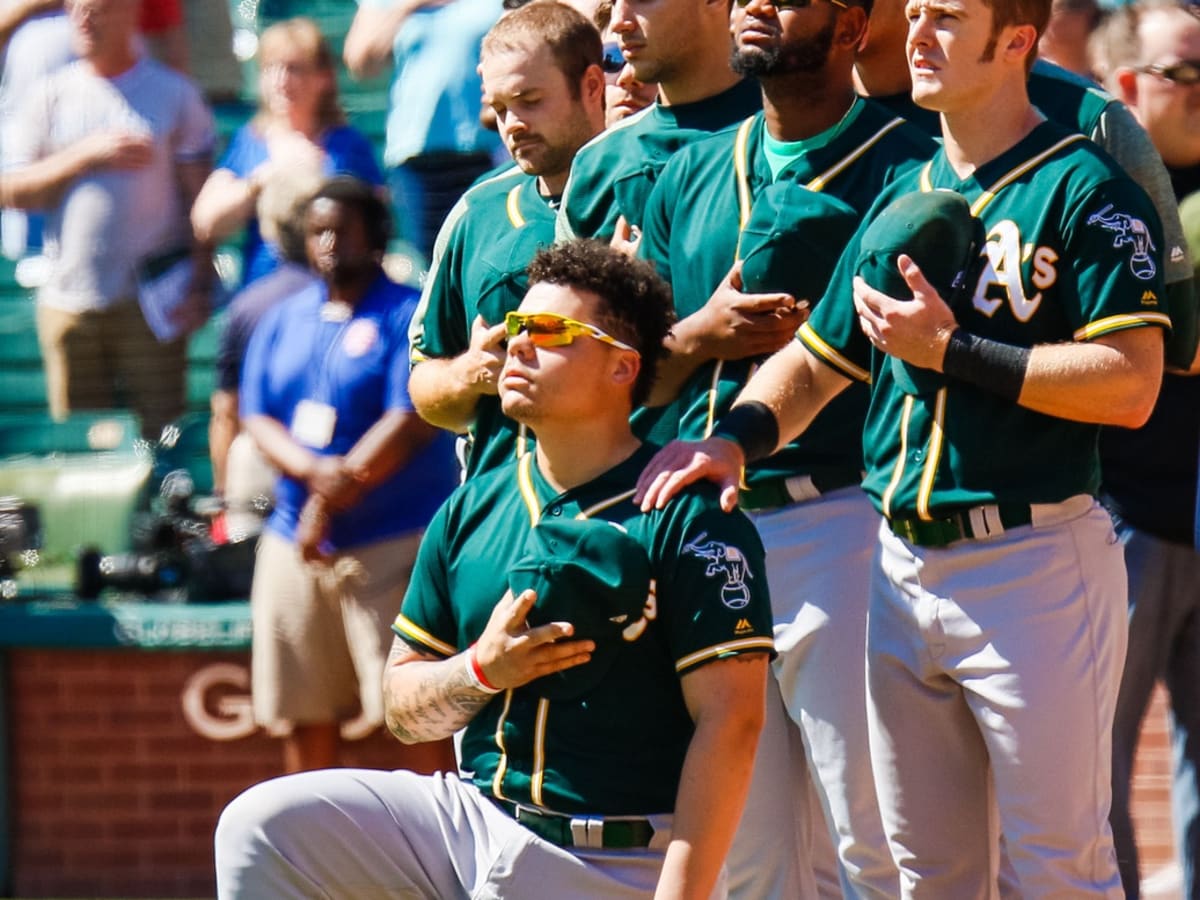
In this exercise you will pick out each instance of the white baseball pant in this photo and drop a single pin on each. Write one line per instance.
(818, 564)
(992, 672)
(367, 834)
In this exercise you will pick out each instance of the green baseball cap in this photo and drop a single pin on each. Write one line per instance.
(937, 230)
(588, 572)
(793, 239)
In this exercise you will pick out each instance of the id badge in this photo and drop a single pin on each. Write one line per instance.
(312, 424)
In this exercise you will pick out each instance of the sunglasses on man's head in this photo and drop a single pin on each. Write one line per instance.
(1185, 72)
(552, 330)
(792, 4)
(612, 60)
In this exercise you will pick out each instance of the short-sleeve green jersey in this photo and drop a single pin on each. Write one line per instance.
(612, 174)
(617, 749)
(1072, 253)
(691, 233)
(479, 270)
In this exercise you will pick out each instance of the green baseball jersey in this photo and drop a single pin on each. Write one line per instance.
(485, 246)
(692, 229)
(1072, 254)
(612, 174)
(617, 749)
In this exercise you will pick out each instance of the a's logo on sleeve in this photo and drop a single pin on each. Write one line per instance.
(728, 562)
(1129, 231)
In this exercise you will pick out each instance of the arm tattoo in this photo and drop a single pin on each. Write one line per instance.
(427, 698)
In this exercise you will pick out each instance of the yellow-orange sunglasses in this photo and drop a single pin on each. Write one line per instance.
(547, 329)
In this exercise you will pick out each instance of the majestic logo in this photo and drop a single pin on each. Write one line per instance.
(1129, 230)
(743, 627)
(724, 560)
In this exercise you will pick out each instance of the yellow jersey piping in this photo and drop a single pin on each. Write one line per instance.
(539, 751)
(817, 345)
(525, 484)
(933, 456)
(512, 206)
(1118, 322)
(712, 398)
(990, 194)
(819, 183)
(745, 644)
(898, 469)
(605, 504)
(502, 765)
(419, 634)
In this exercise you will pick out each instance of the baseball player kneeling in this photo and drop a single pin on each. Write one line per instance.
(608, 665)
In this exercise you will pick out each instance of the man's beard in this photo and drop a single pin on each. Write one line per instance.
(804, 56)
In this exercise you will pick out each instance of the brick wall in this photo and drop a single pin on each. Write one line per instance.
(114, 792)
(1152, 791)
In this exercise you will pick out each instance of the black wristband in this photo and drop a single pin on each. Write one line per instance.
(753, 427)
(991, 365)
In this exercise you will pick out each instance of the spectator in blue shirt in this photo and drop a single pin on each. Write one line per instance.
(324, 394)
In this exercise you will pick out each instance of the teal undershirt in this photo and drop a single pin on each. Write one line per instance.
(781, 154)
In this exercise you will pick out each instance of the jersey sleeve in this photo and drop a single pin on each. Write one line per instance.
(711, 589)
(587, 197)
(1119, 133)
(655, 245)
(1113, 243)
(426, 619)
(831, 332)
(439, 327)
(564, 227)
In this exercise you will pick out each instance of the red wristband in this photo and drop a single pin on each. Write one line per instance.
(477, 671)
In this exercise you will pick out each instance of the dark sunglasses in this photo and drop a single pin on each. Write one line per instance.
(791, 4)
(612, 60)
(1186, 72)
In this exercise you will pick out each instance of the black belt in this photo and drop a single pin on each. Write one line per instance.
(585, 831)
(981, 522)
(783, 490)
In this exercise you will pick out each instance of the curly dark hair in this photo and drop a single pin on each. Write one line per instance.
(637, 304)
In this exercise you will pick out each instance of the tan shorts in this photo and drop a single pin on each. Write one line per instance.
(100, 359)
(322, 634)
